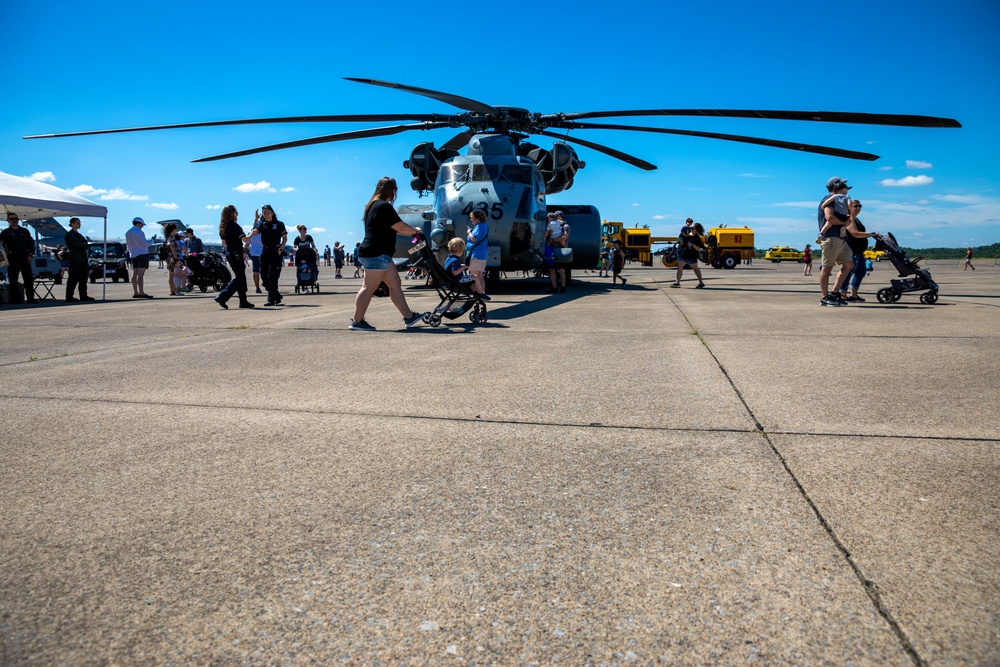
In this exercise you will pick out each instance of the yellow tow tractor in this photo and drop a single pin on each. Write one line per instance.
(727, 247)
(636, 241)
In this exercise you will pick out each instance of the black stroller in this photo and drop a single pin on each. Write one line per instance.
(451, 291)
(208, 269)
(920, 281)
(306, 269)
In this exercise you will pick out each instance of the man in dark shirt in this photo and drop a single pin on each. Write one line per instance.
(20, 251)
(194, 244)
(77, 244)
(273, 237)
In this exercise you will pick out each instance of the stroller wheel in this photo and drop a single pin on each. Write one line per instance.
(203, 288)
(896, 296)
(434, 319)
(426, 318)
(885, 295)
(929, 298)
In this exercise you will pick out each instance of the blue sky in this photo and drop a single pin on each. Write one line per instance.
(78, 66)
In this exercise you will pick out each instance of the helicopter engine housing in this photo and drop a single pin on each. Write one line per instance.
(425, 163)
(558, 166)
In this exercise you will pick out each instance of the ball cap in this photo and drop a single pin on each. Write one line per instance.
(139, 220)
(837, 183)
(559, 214)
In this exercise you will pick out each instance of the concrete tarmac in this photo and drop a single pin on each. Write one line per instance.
(646, 475)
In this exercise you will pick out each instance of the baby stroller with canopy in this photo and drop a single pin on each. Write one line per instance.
(457, 298)
(306, 268)
(920, 281)
(208, 269)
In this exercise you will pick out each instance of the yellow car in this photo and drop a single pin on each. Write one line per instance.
(874, 255)
(780, 253)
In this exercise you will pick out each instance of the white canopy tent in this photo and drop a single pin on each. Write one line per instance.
(32, 200)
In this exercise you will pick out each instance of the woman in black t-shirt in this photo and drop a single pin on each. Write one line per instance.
(382, 223)
(235, 242)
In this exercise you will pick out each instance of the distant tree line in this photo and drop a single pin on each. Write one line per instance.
(983, 251)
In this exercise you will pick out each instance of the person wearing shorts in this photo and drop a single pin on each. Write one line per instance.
(382, 224)
(138, 251)
(479, 251)
(836, 220)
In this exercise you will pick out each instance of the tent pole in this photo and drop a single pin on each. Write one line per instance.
(104, 280)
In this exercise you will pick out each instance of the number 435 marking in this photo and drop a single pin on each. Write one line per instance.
(495, 211)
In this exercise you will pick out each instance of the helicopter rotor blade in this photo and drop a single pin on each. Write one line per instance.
(901, 120)
(447, 98)
(774, 143)
(341, 136)
(350, 118)
(458, 141)
(624, 157)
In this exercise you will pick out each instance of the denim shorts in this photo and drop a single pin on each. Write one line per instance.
(380, 263)
(255, 263)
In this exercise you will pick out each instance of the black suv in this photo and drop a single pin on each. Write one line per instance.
(113, 265)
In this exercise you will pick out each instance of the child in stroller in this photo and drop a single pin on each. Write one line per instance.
(920, 281)
(449, 285)
(306, 268)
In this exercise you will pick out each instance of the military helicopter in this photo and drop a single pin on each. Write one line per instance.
(508, 177)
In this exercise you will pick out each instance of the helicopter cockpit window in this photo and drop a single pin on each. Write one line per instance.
(485, 172)
(518, 173)
(454, 173)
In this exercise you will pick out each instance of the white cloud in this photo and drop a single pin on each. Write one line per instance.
(798, 204)
(918, 233)
(318, 230)
(659, 217)
(119, 194)
(203, 228)
(885, 168)
(212, 207)
(261, 186)
(87, 191)
(961, 199)
(167, 207)
(752, 175)
(923, 202)
(43, 177)
(918, 164)
(288, 189)
(635, 204)
(907, 182)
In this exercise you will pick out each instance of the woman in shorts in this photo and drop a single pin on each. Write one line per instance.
(382, 224)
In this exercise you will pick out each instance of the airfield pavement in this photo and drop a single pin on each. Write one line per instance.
(646, 475)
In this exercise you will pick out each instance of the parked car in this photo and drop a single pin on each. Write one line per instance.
(114, 264)
(780, 253)
(41, 267)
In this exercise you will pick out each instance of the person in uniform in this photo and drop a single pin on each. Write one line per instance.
(20, 251)
(273, 237)
(76, 244)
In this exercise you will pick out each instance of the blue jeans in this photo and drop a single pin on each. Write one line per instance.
(856, 275)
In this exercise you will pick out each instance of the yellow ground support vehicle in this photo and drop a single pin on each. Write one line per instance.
(727, 247)
(636, 241)
(874, 255)
(782, 253)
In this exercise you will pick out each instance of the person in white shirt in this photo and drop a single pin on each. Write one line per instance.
(138, 251)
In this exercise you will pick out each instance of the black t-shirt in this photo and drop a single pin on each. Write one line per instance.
(234, 238)
(271, 232)
(380, 237)
(18, 242)
(857, 246)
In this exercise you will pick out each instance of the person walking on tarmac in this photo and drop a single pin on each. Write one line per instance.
(382, 224)
(273, 236)
(235, 243)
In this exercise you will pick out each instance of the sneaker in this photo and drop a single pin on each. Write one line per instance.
(270, 303)
(71, 299)
(414, 320)
(360, 326)
(842, 299)
(675, 284)
(87, 298)
(700, 286)
(623, 282)
(259, 291)
(829, 300)
(485, 297)
(222, 302)
(246, 304)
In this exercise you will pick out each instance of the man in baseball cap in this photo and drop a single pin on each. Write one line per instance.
(138, 251)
